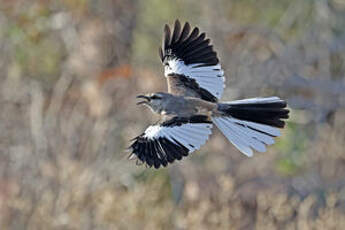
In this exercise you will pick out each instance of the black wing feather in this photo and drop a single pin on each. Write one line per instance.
(182, 44)
(176, 34)
(185, 32)
(166, 39)
(157, 152)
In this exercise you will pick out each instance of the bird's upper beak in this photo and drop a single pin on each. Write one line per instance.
(143, 102)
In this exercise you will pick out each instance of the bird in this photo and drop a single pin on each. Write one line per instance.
(192, 105)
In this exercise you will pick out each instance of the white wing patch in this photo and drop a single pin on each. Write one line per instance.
(210, 78)
(190, 135)
(246, 135)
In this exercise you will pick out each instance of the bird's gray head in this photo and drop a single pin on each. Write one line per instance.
(155, 101)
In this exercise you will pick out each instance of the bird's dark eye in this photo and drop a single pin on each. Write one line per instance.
(155, 97)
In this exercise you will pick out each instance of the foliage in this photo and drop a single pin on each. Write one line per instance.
(70, 71)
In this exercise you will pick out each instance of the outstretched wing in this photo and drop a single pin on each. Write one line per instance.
(173, 139)
(190, 63)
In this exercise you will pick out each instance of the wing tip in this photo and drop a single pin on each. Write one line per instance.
(183, 43)
(161, 54)
(166, 27)
(158, 147)
(177, 22)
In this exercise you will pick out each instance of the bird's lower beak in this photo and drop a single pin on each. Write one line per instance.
(143, 102)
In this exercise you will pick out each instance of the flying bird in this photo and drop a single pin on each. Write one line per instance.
(191, 106)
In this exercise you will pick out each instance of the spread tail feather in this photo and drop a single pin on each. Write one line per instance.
(251, 123)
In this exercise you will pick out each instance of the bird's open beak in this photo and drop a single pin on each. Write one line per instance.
(143, 102)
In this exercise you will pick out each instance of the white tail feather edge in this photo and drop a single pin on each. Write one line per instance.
(256, 100)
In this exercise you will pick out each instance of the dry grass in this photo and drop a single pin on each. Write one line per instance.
(69, 75)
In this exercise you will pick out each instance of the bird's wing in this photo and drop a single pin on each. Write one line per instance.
(190, 63)
(173, 139)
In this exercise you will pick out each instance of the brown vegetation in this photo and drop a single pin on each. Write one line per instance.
(70, 71)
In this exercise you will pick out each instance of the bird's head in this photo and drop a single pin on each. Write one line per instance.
(154, 101)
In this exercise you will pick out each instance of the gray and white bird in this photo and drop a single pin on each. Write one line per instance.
(191, 107)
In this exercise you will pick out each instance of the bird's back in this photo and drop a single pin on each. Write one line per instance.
(175, 105)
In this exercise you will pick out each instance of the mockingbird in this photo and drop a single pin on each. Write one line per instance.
(190, 108)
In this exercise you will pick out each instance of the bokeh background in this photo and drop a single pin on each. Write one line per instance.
(69, 74)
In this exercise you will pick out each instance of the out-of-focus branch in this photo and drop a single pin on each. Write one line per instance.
(296, 82)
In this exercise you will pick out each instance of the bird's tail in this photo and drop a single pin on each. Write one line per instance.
(251, 123)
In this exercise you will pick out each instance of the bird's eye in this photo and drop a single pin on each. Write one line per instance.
(155, 97)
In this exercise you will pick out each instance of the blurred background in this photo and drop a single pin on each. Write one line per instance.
(70, 71)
